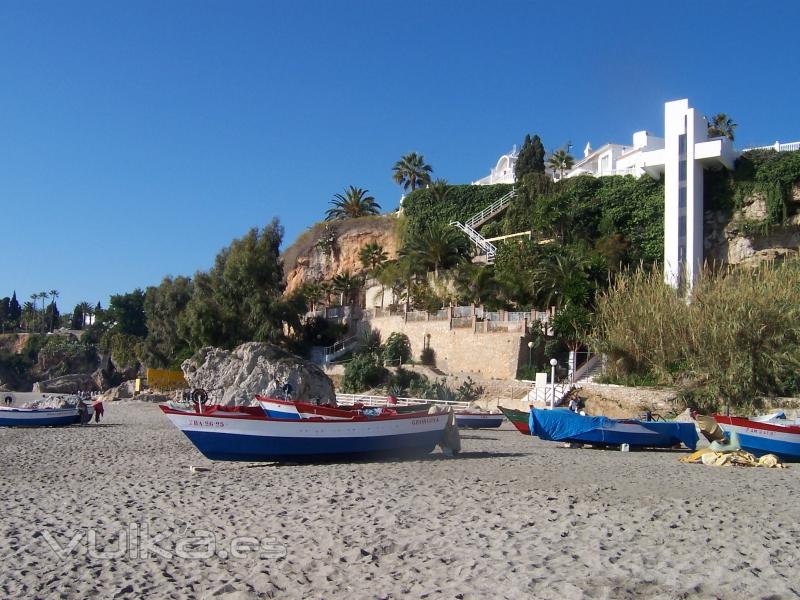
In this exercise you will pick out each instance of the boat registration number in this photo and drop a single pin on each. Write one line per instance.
(205, 423)
(423, 421)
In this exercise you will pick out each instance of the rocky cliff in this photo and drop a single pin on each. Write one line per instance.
(327, 249)
(741, 238)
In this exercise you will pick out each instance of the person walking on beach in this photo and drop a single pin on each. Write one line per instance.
(98, 410)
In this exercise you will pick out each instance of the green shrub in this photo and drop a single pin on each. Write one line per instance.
(397, 349)
(362, 373)
(428, 357)
(422, 210)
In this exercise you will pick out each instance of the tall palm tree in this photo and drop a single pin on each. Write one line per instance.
(721, 126)
(355, 202)
(29, 313)
(53, 295)
(437, 246)
(560, 161)
(412, 172)
(476, 283)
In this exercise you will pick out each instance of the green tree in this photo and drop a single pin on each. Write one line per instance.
(163, 310)
(397, 349)
(412, 172)
(14, 310)
(355, 202)
(440, 190)
(126, 315)
(720, 125)
(572, 324)
(476, 284)
(437, 246)
(240, 299)
(348, 287)
(560, 161)
(530, 158)
(372, 256)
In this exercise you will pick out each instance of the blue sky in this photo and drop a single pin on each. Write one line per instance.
(139, 138)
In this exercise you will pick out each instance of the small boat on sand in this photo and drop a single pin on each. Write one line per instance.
(518, 418)
(566, 426)
(760, 438)
(38, 417)
(230, 433)
(474, 419)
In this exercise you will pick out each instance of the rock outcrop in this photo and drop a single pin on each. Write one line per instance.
(234, 377)
(737, 239)
(328, 249)
(68, 384)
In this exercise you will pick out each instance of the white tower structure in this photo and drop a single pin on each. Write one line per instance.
(687, 151)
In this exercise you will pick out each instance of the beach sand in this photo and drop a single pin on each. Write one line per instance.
(513, 517)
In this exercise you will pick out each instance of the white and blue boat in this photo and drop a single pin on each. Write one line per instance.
(566, 426)
(764, 437)
(478, 420)
(222, 433)
(37, 417)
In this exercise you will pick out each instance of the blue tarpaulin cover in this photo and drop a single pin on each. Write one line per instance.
(563, 424)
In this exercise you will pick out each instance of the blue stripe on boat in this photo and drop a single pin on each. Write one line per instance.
(226, 446)
(279, 414)
(477, 423)
(760, 445)
(9, 421)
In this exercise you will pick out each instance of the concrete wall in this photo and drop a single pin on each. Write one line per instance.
(495, 354)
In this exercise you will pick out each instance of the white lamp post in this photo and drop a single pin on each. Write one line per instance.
(530, 352)
(553, 363)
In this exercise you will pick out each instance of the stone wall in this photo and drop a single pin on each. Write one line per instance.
(495, 355)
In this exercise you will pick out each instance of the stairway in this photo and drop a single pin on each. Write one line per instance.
(468, 227)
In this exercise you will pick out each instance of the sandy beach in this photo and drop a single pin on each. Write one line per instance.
(512, 517)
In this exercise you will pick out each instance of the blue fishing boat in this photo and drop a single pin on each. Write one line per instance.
(563, 425)
(37, 417)
(778, 436)
(478, 420)
(222, 433)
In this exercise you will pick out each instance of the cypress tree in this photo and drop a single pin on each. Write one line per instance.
(530, 158)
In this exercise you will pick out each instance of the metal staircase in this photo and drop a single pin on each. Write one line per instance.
(476, 238)
(479, 219)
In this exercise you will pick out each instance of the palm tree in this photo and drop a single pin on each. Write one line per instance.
(412, 172)
(86, 310)
(29, 313)
(372, 256)
(347, 286)
(353, 203)
(560, 161)
(721, 126)
(476, 283)
(53, 295)
(440, 190)
(437, 246)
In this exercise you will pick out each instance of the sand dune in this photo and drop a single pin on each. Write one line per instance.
(512, 517)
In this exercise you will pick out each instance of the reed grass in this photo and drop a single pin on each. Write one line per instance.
(736, 340)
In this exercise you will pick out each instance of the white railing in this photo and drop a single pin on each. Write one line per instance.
(491, 210)
(350, 399)
(487, 247)
(777, 146)
(544, 394)
(336, 350)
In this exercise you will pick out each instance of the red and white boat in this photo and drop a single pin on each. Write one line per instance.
(764, 437)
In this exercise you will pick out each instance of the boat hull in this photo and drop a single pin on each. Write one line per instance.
(252, 439)
(21, 417)
(478, 420)
(565, 426)
(760, 438)
(518, 418)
